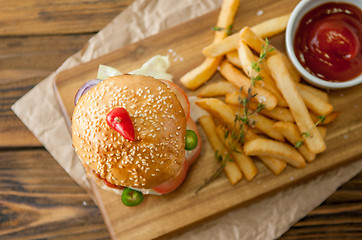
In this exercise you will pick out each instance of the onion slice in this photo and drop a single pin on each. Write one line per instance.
(85, 88)
(181, 96)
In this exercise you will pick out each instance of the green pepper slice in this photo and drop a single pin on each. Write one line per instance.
(190, 140)
(131, 197)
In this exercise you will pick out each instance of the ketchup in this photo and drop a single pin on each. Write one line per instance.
(328, 42)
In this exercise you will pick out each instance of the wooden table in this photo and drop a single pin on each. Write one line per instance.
(37, 197)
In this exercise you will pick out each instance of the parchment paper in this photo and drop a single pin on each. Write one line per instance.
(267, 219)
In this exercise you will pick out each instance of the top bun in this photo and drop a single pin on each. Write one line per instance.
(158, 152)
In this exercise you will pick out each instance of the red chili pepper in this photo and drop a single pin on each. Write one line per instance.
(119, 120)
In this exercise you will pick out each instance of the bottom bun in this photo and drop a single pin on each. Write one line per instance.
(101, 183)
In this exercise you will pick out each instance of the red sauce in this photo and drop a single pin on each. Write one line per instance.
(328, 41)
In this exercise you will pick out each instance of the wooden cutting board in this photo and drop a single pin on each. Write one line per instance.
(160, 216)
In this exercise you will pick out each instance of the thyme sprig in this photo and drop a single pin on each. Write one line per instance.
(222, 160)
(242, 118)
(306, 134)
(229, 30)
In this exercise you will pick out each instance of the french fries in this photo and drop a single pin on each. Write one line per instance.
(278, 113)
(328, 119)
(271, 27)
(323, 131)
(264, 124)
(247, 58)
(265, 29)
(271, 148)
(291, 132)
(233, 58)
(244, 162)
(319, 93)
(254, 41)
(217, 89)
(218, 109)
(239, 80)
(223, 113)
(231, 168)
(314, 103)
(226, 17)
(275, 165)
(220, 48)
(278, 106)
(293, 72)
(286, 85)
(202, 73)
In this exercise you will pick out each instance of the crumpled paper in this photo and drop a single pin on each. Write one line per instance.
(145, 18)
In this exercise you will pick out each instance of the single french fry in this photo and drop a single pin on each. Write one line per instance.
(292, 70)
(254, 41)
(247, 58)
(257, 131)
(233, 172)
(317, 92)
(286, 85)
(267, 28)
(265, 125)
(245, 163)
(239, 80)
(217, 109)
(271, 27)
(278, 113)
(315, 103)
(217, 89)
(201, 74)
(233, 57)
(328, 118)
(231, 169)
(323, 131)
(292, 134)
(226, 17)
(208, 125)
(275, 165)
(218, 49)
(262, 123)
(223, 113)
(271, 148)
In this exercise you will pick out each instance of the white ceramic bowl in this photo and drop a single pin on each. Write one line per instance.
(299, 11)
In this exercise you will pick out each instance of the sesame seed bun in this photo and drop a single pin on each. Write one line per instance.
(158, 152)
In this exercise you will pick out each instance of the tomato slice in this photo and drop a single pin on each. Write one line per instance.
(181, 96)
(192, 155)
(172, 184)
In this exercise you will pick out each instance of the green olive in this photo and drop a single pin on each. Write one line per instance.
(190, 140)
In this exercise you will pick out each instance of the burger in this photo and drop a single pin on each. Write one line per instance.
(134, 135)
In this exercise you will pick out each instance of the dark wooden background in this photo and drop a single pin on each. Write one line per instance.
(38, 200)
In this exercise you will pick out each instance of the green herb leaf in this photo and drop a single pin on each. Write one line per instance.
(321, 119)
(305, 134)
(227, 30)
(298, 144)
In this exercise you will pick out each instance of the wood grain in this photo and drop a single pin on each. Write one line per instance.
(22, 183)
(38, 17)
(39, 200)
(34, 188)
(162, 214)
(25, 62)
